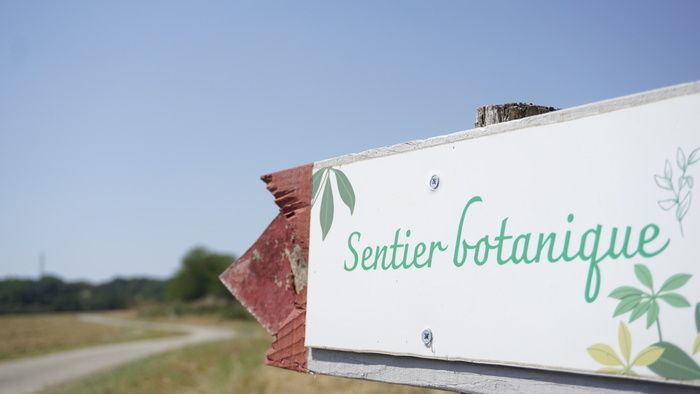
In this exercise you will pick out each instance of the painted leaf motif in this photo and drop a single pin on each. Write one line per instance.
(625, 340)
(627, 304)
(316, 182)
(690, 181)
(667, 204)
(639, 311)
(674, 363)
(680, 159)
(611, 370)
(696, 344)
(624, 292)
(663, 182)
(604, 354)
(644, 275)
(694, 156)
(683, 206)
(652, 313)
(668, 171)
(648, 356)
(675, 282)
(326, 210)
(675, 299)
(347, 194)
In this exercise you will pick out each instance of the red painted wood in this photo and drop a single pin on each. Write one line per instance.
(263, 279)
(288, 350)
(292, 191)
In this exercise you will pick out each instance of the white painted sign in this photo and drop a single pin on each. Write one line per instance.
(564, 246)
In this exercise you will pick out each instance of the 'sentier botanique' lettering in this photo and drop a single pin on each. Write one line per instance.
(594, 245)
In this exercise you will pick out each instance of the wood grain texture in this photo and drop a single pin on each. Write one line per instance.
(288, 350)
(493, 114)
(292, 191)
(474, 378)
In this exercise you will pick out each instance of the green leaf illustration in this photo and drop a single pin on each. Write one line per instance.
(680, 159)
(674, 363)
(640, 302)
(648, 356)
(675, 299)
(604, 354)
(624, 292)
(321, 180)
(663, 358)
(345, 189)
(652, 313)
(663, 182)
(640, 310)
(681, 187)
(625, 340)
(644, 275)
(683, 206)
(611, 370)
(316, 182)
(667, 204)
(326, 210)
(627, 304)
(694, 156)
(675, 282)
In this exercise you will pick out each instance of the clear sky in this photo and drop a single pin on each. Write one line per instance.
(131, 131)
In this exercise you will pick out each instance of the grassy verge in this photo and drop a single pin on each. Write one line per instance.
(206, 319)
(222, 367)
(31, 335)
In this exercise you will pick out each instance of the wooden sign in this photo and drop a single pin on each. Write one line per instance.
(570, 246)
(564, 242)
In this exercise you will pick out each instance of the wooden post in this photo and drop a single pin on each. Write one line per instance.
(492, 114)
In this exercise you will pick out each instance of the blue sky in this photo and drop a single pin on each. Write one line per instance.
(132, 131)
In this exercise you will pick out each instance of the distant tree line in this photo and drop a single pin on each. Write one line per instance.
(50, 294)
(196, 279)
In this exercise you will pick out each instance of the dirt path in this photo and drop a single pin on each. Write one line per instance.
(32, 374)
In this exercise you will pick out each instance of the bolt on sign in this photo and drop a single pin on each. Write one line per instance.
(562, 243)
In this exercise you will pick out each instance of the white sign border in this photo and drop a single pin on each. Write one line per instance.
(563, 115)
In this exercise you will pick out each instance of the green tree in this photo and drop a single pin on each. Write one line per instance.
(198, 276)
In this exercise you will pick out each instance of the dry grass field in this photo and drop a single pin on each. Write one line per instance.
(233, 366)
(30, 335)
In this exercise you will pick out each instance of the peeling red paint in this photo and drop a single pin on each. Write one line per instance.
(292, 191)
(288, 350)
(263, 279)
(254, 278)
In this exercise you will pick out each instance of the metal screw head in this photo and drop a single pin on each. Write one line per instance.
(434, 182)
(427, 337)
